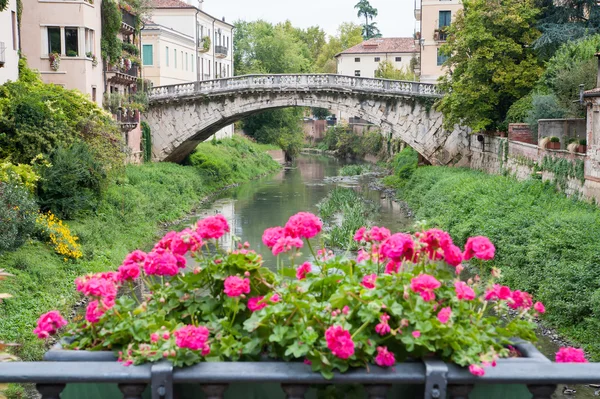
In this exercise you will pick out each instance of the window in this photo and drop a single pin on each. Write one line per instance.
(445, 18)
(186, 61)
(89, 41)
(441, 58)
(398, 59)
(14, 28)
(357, 73)
(228, 75)
(147, 54)
(167, 55)
(175, 57)
(377, 59)
(71, 42)
(192, 62)
(357, 59)
(94, 93)
(54, 43)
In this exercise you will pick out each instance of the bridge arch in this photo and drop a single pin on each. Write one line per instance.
(181, 116)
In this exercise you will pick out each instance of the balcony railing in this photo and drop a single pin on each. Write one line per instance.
(121, 76)
(436, 378)
(2, 54)
(128, 21)
(221, 51)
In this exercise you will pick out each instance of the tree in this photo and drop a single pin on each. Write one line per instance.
(386, 70)
(365, 9)
(348, 35)
(565, 21)
(491, 62)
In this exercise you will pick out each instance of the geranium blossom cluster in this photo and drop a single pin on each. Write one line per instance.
(401, 296)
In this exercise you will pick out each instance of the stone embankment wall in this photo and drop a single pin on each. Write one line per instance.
(571, 172)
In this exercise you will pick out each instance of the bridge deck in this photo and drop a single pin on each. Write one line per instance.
(295, 82)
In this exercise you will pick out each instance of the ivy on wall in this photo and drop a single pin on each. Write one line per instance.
(563, 170)
(110, 43)
(146, 141)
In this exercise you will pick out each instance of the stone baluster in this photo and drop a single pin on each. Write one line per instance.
(132, 391)
(294, 391)
(541, 391)
(216, 391)
(50, 391)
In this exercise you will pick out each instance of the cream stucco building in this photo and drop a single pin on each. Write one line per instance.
(71, 29)
(432, 16)
(364, 58)
(182, 43)
(9, 43)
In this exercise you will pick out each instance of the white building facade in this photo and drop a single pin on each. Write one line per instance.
(9, 43)
(364, 58)
(182, 44)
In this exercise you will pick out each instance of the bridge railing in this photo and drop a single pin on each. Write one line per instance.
(295, 82)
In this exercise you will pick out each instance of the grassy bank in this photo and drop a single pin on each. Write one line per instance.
(546, 243)
(132, 210)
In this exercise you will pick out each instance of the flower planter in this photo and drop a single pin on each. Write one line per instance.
(582, 149)
(273, 390)
(553, 145)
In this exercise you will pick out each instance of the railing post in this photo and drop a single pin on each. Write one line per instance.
(162, 380)
(214, 391)
(541, 391)
(50, 391)
(132, 391)
(435, 379)
(294, 391)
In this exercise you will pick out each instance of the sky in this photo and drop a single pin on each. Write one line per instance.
(395, 18)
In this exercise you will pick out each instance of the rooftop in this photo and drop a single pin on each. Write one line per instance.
(383, 45)
(183, 4)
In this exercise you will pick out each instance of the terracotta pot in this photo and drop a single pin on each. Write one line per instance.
(582, 149)
(553, 145)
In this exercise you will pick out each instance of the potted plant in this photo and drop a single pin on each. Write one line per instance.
(582, 148)
(71, 53)
(205, 44)
(54, 61)
(553, 143)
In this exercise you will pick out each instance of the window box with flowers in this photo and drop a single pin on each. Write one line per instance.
(54, 59)
(400, 298)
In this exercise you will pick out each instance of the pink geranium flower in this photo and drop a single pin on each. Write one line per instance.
(128, 271)
(303, 270)
(453, 255)
(444, 315)
(271, 235)
(383, 327)
(424, 284)
(479, 247)
(384, 357)
(360, 234)
(285, 244)
(398, 247)
(213, 227)
(498, 291)
(162, 262)
(49, 323)
(434, 240)
(539, 307)
(520, 300)
(477, 370)
(369, 280)
(100, 285)
(194, 338)
(94, 311)
(392, 267)
(236, 286)
(339, 341)
(463, 291)
(254, 305)
(416, 333)
(570, 355)
(303, 225)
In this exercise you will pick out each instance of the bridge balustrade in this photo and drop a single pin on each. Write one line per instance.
(304, 82)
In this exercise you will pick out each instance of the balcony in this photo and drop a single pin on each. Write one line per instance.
(117, 75)
(440, 35)
(127, 22)
(2, 54)
(127, 118)
(221, 51)
(203, 44)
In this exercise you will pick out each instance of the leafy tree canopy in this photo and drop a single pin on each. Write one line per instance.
(491, 61)
(348, 35)
(386, 70)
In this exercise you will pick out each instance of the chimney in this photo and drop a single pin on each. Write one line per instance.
(598, 75)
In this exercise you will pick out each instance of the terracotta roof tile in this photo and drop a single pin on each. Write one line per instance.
(384, 45)
(171, 4)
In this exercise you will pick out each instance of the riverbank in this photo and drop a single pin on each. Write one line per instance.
(134, 208)
(546, 243)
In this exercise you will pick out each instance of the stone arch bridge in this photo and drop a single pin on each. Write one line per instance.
(183, 115)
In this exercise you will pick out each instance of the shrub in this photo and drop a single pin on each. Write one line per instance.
(73, 183)
(17, 215)
(544, 106)
(58, 234)
(519, 110)
(21, 174)
(353, 170)
(405, 163)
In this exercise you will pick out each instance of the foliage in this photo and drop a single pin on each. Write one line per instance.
(110, 44)
(55, 232)
(21, 174)
(281, 127)
(491, 61)
(519, 110)
(387, 70)
(320, 113)
(36, 118)
(405, 163)
(336, 313)
(134, 207)
(3, 5)
(342, 139)
(348, 35)
(354, 170)
(146, 141)
(74, 182)
(17, 215)
(343, 212)
(566, 21)
(365, 9)
(563, 170)
(543, 106)
(231, 161)
(547, 243)
(130, 48)
(568, 54)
